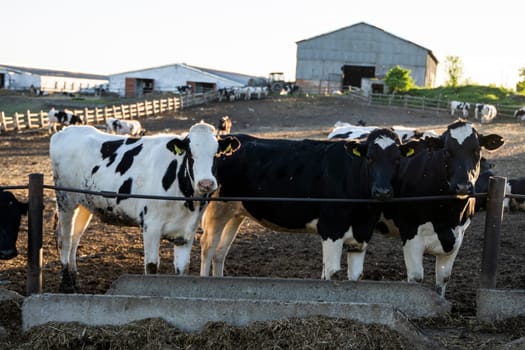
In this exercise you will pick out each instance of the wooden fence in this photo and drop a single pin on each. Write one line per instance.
(425, 103)
(96, 115)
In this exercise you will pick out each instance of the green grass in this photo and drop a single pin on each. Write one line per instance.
(472, 94)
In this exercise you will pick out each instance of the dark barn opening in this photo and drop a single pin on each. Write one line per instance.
(2, 79)
(352, 75)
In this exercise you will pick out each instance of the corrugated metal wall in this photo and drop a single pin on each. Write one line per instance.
(319, 59)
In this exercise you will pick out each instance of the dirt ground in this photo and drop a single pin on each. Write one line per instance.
(107, 251)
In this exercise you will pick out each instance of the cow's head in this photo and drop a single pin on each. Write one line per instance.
(10, 212)
(460, 146)
(199, 149)
(381, 152)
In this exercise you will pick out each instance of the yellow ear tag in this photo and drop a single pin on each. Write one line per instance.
(177, 150)
(356, 152)
(410, 152)
(228, 149)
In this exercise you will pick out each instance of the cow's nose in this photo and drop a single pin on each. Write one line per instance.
(8, 254)
(464, 189)
(382, 193)
(206, 186)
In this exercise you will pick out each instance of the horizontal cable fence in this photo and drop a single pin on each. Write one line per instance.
(96, 115)
(36, 187)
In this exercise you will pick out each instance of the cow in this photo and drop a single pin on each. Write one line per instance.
(85, 158)
(515, 186)
(482, 183)
(184, 89)
(462, 108)
(519, 114)
(11, 211)
(485, 113)
(224, 126)
(358, 169)
(348, 131)
(61, 118)
(449, 165)
(124, 127)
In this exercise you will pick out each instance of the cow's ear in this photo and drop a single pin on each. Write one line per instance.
(228, 145)
(409, 148)
(177, 146)
(355, 148)
(491, 142)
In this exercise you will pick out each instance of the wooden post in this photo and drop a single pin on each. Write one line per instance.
(34, 233)
(494, 216)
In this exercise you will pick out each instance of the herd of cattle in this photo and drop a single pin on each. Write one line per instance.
(483, 112)
(355, 162)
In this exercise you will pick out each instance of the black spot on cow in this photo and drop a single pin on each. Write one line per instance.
(127, 160)
(109, 208)
(109, 150)
(132, 140)
(125, 188)
(95, 169)
(170, 175)
(184, 175)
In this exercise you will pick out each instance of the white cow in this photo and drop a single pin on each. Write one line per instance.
(485, 113)
(162, 165)
(61, 118)
(124, 127)
(459, 107)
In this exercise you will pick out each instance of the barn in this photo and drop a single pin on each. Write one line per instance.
(168, 77)
(359, 56)
(49, 81)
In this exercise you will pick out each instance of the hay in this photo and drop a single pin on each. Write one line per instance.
(307, 333)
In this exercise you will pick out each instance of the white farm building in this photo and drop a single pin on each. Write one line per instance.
(49, 81)
(167, 78)
(360, 55)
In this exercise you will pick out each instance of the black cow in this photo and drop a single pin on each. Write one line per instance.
(316, 169)
(11, 211)
(482, 184)
(451, 165)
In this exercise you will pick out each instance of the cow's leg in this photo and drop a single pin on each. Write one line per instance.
(444, 264)
(71, 226)
(219, 223)
(228, 235)
(413, 251)
(181, 255)
(355, 258)
(332, 251)
(151, 251)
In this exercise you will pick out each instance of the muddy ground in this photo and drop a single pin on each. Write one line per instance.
(107, 251)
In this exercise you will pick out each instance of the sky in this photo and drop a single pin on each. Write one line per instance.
(252, 37)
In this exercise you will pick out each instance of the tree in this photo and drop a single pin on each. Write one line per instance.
(520, 85)
(399, 80)
(454, 69)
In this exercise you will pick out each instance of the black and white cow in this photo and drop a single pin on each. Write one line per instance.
(515, 186)
(519, 114)
(61, 118)
(450, 165)
(458, 107)
(124, 127)
(11, 211)
(485, 113)
(307, 168)
(224, 126)
(164, 165)
(348, 131)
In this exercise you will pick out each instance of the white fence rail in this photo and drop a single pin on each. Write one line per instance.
(94, 115)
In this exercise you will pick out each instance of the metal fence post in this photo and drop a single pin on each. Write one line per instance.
(34, 239)
(491, 243)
